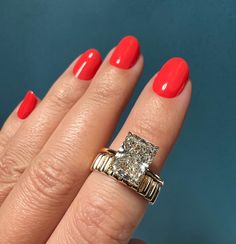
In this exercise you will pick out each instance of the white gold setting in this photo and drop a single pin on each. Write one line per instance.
(133, 159)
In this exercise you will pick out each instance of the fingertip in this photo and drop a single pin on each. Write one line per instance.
(126, 53)
(27, 106)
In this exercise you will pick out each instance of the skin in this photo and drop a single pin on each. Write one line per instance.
(47, 192)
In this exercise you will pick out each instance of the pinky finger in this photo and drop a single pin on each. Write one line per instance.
(17, 117)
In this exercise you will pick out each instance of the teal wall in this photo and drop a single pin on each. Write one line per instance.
(38, 39)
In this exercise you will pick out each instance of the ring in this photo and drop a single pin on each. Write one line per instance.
(130, 165)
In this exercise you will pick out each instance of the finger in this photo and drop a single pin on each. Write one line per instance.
(33, 134)
(13, 122)
(9, 129)
(105, 210)
(52, 181)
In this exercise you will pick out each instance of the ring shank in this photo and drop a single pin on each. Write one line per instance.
(149, 186)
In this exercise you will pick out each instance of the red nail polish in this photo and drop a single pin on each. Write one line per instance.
(27, 106)
(126, 53)
(87, 65)
(172, 78)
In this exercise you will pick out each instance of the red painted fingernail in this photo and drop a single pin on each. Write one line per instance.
(87, 65)
(126, 53)
(27, 106)
(172, 78)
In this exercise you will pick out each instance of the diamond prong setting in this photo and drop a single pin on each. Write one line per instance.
(133, 159)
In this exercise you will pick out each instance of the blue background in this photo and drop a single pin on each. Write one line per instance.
(38, 39)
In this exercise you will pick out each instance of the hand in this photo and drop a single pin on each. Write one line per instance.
(47, 191)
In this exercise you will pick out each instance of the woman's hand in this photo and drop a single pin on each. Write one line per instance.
(47, 192)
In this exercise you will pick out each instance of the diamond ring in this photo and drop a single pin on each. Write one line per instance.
(130, 165)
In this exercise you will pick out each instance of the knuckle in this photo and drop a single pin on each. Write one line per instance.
(145, 127)
(147, 123)
(64, 95)
(11, 168)
(51, 176)
(11, 165)
(107, 88)
(3, 141)
(99, 218)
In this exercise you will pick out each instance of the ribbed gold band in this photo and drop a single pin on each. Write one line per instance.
(149, 186)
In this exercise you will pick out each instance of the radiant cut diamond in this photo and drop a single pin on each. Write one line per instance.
(133, 158)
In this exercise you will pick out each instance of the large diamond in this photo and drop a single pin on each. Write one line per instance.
(133, 158)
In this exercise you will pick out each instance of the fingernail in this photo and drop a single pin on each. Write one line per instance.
(172, 78)
(27, 106)
(87, 65)
(126, 53)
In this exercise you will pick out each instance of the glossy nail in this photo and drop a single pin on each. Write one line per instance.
(172, 78)
(87, 65)
(27, 106)
(126, 53)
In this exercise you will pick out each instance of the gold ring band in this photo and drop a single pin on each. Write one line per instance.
(150, 185)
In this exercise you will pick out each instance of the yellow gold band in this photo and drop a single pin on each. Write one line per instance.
(149, 186)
